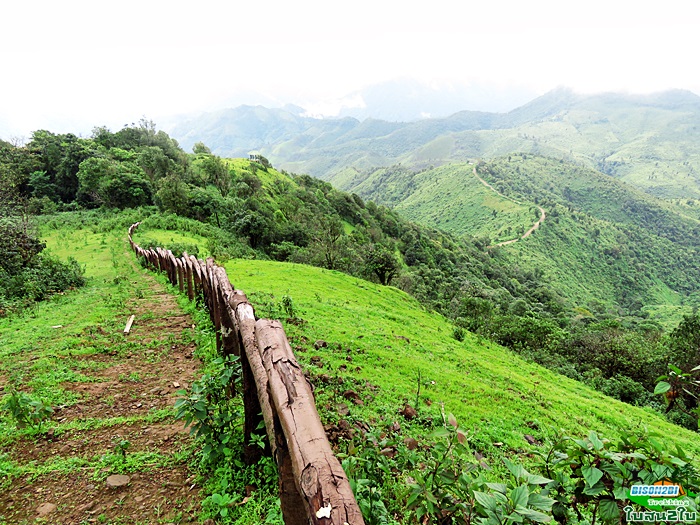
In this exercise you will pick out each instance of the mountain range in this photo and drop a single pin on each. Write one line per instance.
(650, 141)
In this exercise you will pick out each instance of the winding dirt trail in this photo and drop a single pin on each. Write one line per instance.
(543, 213)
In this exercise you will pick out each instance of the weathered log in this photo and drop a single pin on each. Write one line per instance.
(214, 307)
(187, 263)
(226, 315)
(180, 274)
(196, 274)
(256, 399)
(320, 480)
(173, 267)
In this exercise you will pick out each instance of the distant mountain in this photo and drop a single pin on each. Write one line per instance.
(404, 100)
(651, 141)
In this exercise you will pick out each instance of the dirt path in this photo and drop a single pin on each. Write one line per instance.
(543, 214)
(135, 378)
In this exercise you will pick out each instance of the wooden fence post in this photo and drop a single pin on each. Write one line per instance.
(256, 399)
(320, 480)
(188, 275)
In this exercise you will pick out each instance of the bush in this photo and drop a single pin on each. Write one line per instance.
(45, 276)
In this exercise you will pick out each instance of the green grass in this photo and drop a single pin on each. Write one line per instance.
(450, 198)
(493, 392)
(49, 347)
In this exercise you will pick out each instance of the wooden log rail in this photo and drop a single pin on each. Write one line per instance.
(313, 486)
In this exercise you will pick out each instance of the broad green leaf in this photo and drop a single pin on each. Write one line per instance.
(595, 441)
(534, 479)
(540, 502)
(485, 500)
(621, 493)
(608, 510)
(519, 496)
(498, 487)
(534, 515)
(581, 443)
(596, 489)
(592, 475)
(662, 388)
(517, 470)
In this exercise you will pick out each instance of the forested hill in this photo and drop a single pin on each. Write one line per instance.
(603, 240)
(648, 141)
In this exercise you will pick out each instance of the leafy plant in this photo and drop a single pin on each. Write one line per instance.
(592, 476)
(680, 389)
(209, 409)
(521, 500)
(27, 411)
(121, 445)
(451, 487)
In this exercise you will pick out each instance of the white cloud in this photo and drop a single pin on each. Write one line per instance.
(97, 63)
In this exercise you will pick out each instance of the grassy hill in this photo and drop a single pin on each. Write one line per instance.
(449, 197)
(382, 336)
(603, 239)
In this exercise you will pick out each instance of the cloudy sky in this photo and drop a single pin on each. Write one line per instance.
(70, 65)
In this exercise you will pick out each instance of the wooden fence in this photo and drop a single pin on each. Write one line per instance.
(313, 486)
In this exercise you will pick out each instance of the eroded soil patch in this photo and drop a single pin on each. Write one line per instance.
(158, 496)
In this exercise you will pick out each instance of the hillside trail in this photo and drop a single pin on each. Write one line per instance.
(543, 214)
(127, 402)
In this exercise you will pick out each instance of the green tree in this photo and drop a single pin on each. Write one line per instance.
(684, 343)
(382, 263)
(201, 149)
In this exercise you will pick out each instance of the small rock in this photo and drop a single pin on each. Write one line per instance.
(351, 394)
(86, 507)
(531, 439)
(118, 480)
(343, 409)
(497, 444)
(320, 344)
(408, 412)
(176, 384)
(45, 509)
(411, 444)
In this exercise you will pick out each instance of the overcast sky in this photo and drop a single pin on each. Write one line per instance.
(70, 65)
